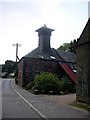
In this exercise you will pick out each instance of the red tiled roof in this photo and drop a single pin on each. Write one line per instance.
(69, 71)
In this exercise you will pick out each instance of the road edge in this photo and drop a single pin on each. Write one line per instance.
(28, 103)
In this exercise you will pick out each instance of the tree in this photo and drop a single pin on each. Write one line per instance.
(9, 67)
(68, 46)
(64, 47)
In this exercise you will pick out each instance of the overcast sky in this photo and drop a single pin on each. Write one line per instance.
(20, 18)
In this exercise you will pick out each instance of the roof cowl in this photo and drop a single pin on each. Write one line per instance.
(44, 29)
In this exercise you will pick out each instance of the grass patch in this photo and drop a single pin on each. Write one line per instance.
(81, 105)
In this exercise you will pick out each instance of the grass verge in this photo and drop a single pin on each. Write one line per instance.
(81, 105)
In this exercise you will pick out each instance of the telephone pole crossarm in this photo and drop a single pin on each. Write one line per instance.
(17, 45)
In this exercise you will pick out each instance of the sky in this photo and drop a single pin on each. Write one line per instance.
(20, 18)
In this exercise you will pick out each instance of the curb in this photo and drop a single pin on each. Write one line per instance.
(28, 103)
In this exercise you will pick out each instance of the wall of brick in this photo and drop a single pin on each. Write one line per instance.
(30, 67)
(20, 73)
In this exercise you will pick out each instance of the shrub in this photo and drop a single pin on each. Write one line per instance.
(67, 85)
(49, 83)
(45, 83)
(30, 85)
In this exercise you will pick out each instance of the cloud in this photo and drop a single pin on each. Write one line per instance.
(89, 9)
(20, 19)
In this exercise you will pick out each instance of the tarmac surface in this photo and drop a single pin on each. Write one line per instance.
(48, 108)
(62, 99)
(14, 106)
(0, 98)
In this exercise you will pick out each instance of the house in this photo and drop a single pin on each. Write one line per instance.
(46, 59)
(83, 64)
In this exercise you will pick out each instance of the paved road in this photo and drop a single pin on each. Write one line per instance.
(0, 98)
(12, 105)
(18, 103)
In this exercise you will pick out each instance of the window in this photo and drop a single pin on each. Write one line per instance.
(52, 57)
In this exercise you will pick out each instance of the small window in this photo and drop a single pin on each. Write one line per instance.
(74, 71)
(40, 56)
(52, 57)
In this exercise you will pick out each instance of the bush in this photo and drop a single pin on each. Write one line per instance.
(67, 86)
(45, 83)
(30, 85)
(49, 83)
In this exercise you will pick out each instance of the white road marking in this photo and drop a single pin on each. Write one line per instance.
(36, 110)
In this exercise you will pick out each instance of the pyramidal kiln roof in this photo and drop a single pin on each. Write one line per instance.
(44, 50)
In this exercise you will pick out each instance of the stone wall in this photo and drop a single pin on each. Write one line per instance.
(83, 64)
(82, 72)
(30, 67)
(20, 72)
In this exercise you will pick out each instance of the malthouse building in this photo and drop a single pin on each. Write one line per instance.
(46, 59)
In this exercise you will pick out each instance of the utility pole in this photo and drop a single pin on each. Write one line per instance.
(17, 45)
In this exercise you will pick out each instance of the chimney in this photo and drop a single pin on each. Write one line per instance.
(44, 34)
